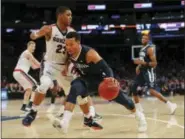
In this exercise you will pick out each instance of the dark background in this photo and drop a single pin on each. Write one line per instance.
(21, 16)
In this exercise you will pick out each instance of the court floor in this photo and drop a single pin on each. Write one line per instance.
(117, 121)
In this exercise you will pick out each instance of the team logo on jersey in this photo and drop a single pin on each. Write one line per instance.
(59, 40)
(81, 66)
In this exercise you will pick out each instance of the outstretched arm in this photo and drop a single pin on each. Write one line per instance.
(44, 31)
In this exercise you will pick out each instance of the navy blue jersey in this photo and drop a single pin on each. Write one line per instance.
(86, 70)
(145, 57)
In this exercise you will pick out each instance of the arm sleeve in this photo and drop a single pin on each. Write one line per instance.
(105, 70)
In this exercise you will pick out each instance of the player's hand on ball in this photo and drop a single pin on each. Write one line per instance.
(113, 80)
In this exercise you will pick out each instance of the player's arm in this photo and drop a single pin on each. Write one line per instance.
(152, 57)
(34, 62)
(44, 31)
(93, 57)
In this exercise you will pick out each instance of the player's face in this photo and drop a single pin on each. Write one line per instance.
(32, 48)
(66, 17)
(145, 39)
(72, 46)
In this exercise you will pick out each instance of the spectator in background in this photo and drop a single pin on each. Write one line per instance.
(4, 82)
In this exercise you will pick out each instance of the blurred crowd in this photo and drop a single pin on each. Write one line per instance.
(170, 71)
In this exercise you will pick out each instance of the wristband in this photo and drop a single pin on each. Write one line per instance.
(35, 33)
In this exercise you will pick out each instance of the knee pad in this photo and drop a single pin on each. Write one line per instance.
(45, 84)
(77, 89)
(82, 100)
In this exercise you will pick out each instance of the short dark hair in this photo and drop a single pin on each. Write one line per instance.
(61, 10)
(30, 42)
(73, 35)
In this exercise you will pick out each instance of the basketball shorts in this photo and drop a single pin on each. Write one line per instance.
(146, 78)
(91, 85)
(51, 72)
(24, 79)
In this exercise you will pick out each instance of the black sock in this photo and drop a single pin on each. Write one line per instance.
(23, 105)
(30, 103)
(53, 98)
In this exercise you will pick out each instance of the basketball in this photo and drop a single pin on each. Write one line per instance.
(108, 90)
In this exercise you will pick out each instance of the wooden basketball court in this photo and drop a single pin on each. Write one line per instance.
(117, 121)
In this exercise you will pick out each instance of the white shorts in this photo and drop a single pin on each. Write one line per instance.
(54, 72)
(24, 79)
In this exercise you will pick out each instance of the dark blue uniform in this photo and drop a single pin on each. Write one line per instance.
(147, 73)
(90, 77)
(89, 74)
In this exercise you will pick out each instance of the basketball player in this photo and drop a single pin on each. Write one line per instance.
(55, 91)
(145, 73)
(93, 69)
(20, 74)
(55, 59)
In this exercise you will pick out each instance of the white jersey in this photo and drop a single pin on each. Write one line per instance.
(55, 47)
(23, 62)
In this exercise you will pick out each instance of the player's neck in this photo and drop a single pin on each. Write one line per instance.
(76, 55)
(61, 26)
(29, 50)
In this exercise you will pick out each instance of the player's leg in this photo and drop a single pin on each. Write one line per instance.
(53, 99)
(150, 79)
(124, 100)
(27, 83)
(139, 81)
(33, 92)
(62, 97)
(76, 94)
(45, 83)
(92, 109)
(54, 93)
(26, 98)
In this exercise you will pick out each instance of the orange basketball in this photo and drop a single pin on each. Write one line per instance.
(108, 90)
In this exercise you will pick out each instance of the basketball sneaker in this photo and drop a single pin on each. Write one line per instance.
(30, 104)
(59, 126)
(173, 107)
(97, 117)
(51, 108)
(142, 125)
(23, 108)
(30, 117)
(89, 122)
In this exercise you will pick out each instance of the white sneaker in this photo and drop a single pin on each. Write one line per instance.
(60, 112)
(51, 108)
(173, 107)
(60, 127)
(142, 125)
